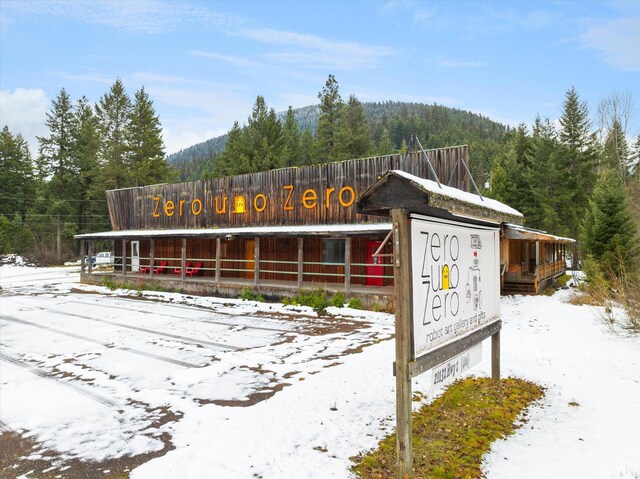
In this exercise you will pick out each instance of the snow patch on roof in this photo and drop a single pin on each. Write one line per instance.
(459, 195)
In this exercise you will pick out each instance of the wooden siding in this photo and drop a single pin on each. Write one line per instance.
(322, 194)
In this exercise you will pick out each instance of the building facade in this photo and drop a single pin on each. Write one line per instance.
(275, 231)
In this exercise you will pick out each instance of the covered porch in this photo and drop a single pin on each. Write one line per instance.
(530, 259)
(272, 261)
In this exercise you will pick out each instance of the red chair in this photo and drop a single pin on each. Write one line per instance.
(193, 271)
(178, 270)
(144, 269)
(160, 269)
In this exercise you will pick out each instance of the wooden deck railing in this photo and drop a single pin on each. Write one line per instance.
(544, 271)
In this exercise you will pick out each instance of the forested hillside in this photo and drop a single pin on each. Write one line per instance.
(435, 125)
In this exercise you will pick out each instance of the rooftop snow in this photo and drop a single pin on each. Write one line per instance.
(454, 193)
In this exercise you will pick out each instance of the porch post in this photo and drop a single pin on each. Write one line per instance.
(124, 257)
(90, 254)
(183, 259)
(300, 262)
(347, 264)
(82, 256)
(218, 259)
(537, 253)
(152, 253)
(256, 262)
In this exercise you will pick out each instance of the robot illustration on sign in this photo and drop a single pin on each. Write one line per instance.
(473, 287)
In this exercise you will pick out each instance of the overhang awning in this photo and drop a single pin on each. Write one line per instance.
(399, 189)
(518, 232)
(253, 231)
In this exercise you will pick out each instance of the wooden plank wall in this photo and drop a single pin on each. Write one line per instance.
(274, 197)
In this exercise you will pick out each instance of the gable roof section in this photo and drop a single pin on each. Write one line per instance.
(398, 189)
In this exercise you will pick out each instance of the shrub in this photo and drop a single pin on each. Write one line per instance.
(337, 300)
(356, 303)
(247, 294)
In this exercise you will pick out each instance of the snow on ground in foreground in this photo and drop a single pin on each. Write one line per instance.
(86, 373)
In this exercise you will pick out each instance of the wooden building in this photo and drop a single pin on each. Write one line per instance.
(531, 259)
(275, 231)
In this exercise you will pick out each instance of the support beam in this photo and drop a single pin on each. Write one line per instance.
(347, 265)
(300, 262)
(152, 254)
(90, 254)
(402, 290)
(218, 245)
(124, 257)
(83, 256)
(183, 259)
(256, 262)
(495, 356)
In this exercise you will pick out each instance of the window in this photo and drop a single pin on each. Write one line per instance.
(333, 251)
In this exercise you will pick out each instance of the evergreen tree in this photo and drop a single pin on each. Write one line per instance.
(548, 196)
(353, 138)
(292, 137)
(609, 232)
(264, 138)
(233, 159)
(147, 164)
(615, 154)
(114, 114)
(16, 175)
(90, 201)
(331, 106)
(58, 170)
(578, 165)
(385, 147)
(308, 149)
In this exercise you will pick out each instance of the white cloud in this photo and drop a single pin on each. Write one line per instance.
(618, 41)
(140, 17)
(24, 111)
(451, 63)
(317, 51)
(233, 60)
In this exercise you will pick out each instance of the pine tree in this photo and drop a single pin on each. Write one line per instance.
(264, 138)
(58, 170)
(16, 175)
(385, 147)
(90, 204)
(114, 114)
(147, 160)
(615, 154)
(308, 149)
(548, 196)
(233, 160)
(579, 164)
(292, 136)
(353, 138)
(331, 106)
(609, 232)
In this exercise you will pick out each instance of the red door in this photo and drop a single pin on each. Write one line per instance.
(375, 270)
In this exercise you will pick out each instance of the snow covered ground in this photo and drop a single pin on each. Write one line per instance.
(244, 390)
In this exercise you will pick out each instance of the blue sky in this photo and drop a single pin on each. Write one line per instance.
(204, 63)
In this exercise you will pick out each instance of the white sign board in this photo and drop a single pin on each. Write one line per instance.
(455, 279)
(452, 369)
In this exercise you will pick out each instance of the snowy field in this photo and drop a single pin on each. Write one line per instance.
(229, 389)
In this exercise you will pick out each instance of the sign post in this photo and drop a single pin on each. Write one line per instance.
(402, 289)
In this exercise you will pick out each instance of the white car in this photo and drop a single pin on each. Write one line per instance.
(103, 257)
